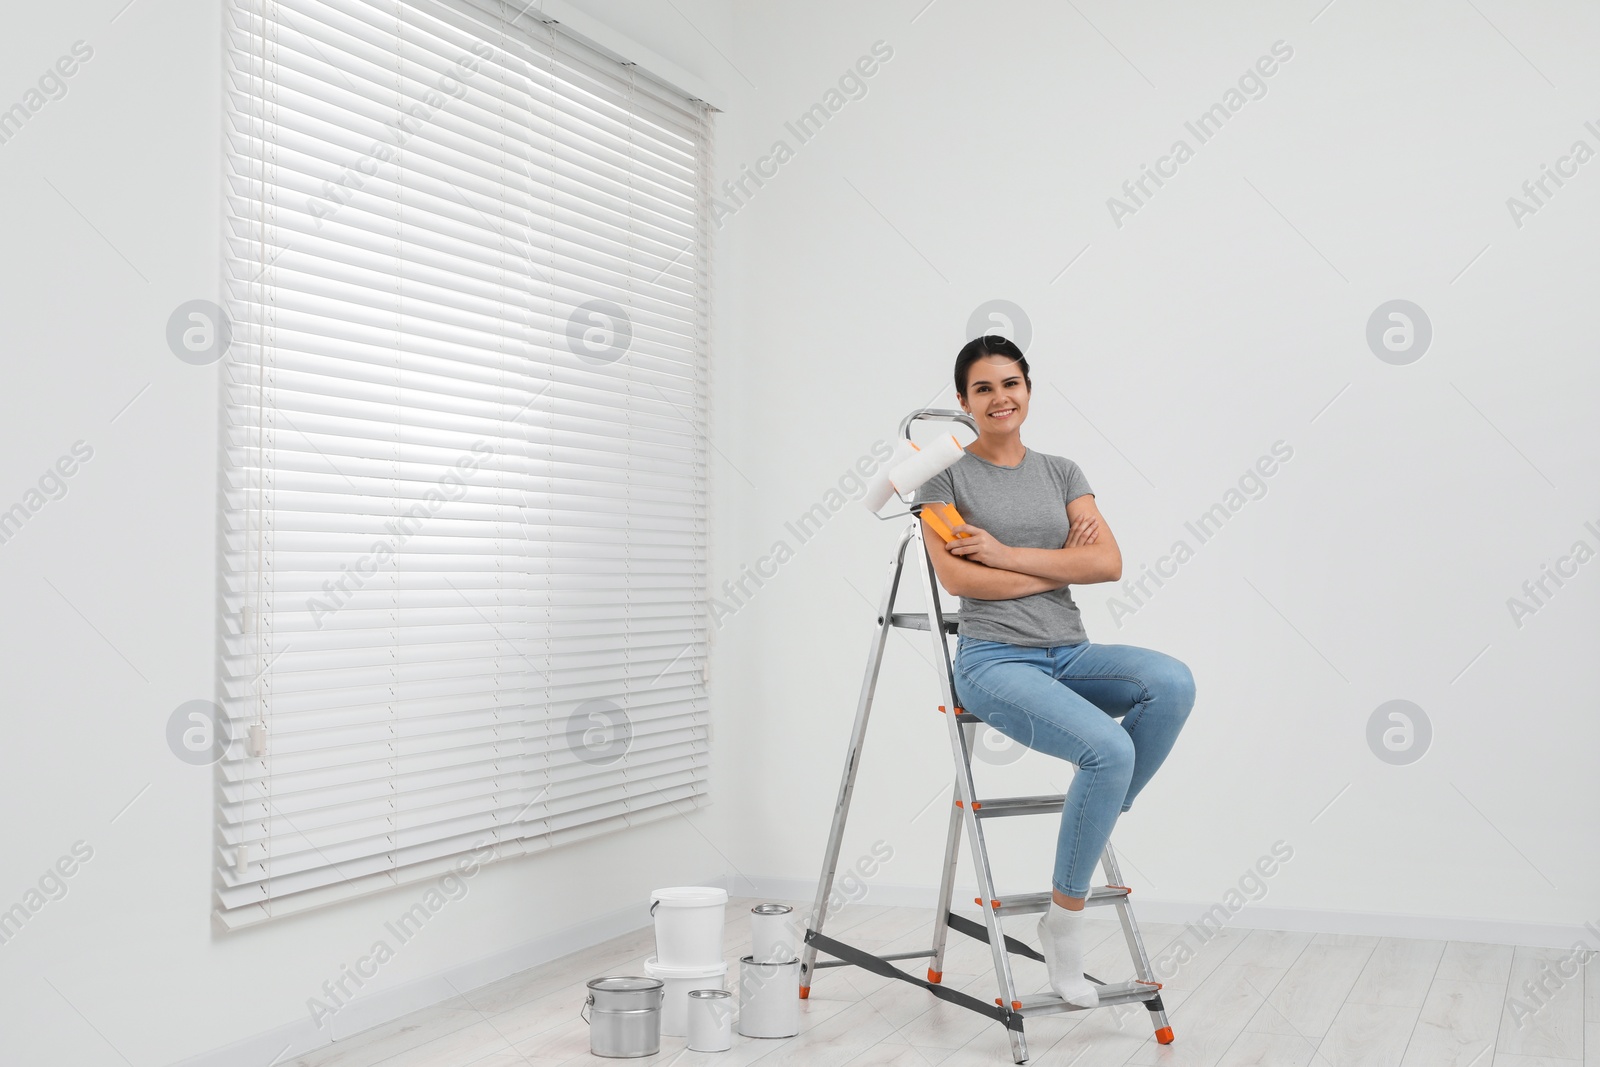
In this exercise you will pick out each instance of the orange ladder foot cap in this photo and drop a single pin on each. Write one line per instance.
(1164, 1035)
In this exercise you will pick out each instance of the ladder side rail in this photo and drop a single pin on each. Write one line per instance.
(1130, 929)
(1141, 959)
(947, 886)
(966, 792)
(952, 843)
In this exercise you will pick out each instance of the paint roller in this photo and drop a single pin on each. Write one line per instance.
(908, 467)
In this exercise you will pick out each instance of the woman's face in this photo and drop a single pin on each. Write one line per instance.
(997, 396)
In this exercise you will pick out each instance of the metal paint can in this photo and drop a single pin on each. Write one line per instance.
(710, 1020)
(627, 1015)
(769, 998)
(772, 938)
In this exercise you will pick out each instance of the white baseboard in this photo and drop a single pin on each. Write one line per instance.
(1250, 917)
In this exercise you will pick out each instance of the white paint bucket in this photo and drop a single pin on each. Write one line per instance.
(772, 935)
(678, 982)
(689, 920)
(710, 1020)
(769, 998)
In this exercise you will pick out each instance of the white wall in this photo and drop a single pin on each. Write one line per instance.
(112, 219)
(1226, 314)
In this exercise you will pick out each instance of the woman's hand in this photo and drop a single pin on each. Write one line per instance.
(983, 547)
(1083, 532)
(979, 545)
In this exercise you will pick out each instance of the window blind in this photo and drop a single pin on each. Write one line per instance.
(466, 273)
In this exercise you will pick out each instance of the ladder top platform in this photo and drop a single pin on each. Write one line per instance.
(918, 620)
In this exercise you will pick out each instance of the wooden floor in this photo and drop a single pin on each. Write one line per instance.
(1248, 997)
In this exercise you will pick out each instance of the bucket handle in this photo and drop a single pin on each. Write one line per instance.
(588, 1001)
(654, 904)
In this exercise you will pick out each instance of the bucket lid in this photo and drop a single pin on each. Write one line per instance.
(710, 994)
(688, 896)
(771, 909)
(667, 971)
(624, 983)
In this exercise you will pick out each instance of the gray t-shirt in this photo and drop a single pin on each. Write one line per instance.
(1026, 507)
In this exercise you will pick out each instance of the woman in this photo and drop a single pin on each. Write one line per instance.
(1023, 662)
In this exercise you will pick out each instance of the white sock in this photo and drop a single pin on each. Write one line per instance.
(1061, 942)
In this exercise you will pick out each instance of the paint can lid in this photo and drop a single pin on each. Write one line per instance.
(624, 983)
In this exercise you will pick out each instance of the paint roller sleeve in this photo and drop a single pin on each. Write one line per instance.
(936, 456)
(881, 489)
(910, 466)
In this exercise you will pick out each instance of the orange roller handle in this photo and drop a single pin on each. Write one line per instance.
(944, 518)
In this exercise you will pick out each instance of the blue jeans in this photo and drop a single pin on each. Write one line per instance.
(1065, 701)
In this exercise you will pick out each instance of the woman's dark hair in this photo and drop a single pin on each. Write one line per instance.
(989, 345)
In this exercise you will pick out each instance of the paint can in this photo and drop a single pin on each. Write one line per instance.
(772, 937)
(627, 1015)
(710, 1020)
(769, 998)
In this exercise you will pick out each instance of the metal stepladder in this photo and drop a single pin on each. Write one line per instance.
(972, 811)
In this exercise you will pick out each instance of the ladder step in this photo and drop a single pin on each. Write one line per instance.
(1129, 992)
(918, 620)
(1003, 806)
(1033, 903)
